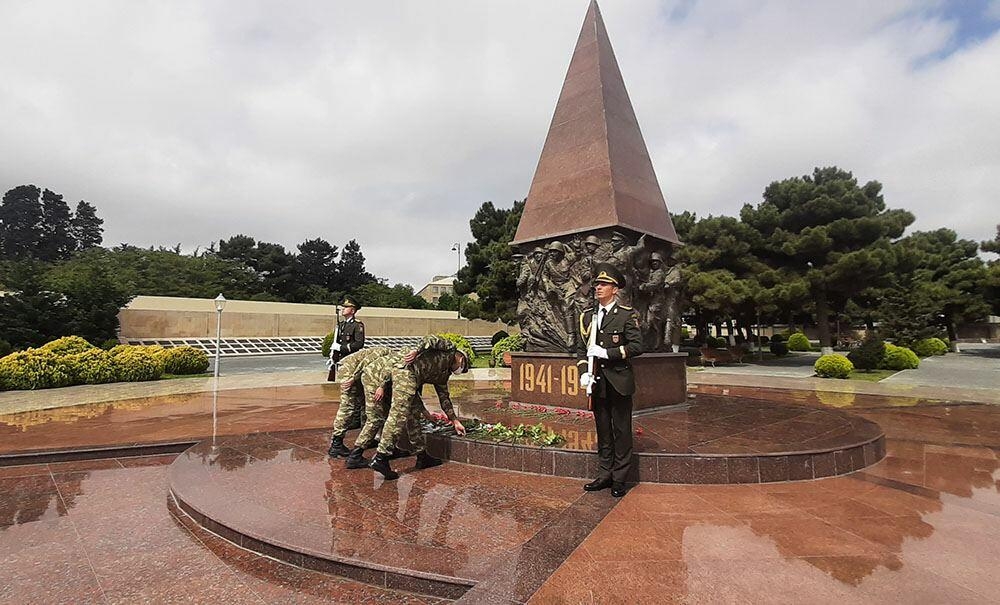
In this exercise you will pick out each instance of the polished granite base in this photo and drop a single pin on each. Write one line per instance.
(710, 439)
(436, 532)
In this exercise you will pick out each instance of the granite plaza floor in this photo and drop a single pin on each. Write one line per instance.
(922, 525)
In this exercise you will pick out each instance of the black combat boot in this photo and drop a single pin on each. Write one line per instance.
(425, 460)
(356, 459)
(380, 464)
(398, 453)
(337, 447)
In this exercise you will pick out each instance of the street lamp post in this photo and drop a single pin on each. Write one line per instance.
(457, 247)
(220, 304)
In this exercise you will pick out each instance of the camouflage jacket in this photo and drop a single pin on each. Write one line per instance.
(378, 373)
(435, 356)
(352, 365)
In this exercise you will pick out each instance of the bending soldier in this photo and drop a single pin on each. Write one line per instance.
(433, 362)
(351, 394)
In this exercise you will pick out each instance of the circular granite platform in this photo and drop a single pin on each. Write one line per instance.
(710, 439)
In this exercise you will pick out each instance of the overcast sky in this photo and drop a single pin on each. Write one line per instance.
(390, 122)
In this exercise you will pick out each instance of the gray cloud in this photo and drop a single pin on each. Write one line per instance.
(188, 121)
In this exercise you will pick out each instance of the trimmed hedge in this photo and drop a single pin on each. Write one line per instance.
(833, 366)
(34, 369)
(929, 347)
(327, 343)
(184, 360)
(67, 345)
(511, 343)
(799, 342)
(137, 364)
(461, 342)
(93, 366)
(899, 358)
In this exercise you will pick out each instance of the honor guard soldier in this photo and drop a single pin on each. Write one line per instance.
(610, 340)
(350, 339)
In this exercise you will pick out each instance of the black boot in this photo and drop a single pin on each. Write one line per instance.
(356, 459)
(425, 460)
(398, 453)
(380, 464)
(337, 447)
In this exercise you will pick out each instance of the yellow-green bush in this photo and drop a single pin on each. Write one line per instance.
(137, 364)
(461, 342)
(833, 366)
(899, 358)
(67, 345)
(184, 360)
(33, 369)
(930, 346)
(511, 343)
(799, 342)
(93, 366)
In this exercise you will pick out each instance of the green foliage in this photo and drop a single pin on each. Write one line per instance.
(514, 342)
(899, 358)
(400, 296)
(498, 336)
(522, 434)
(778, 347)
(870, 355)
(833, 366)
(491, 270)
(184, 360)
(34, 369)
(929, 347)
(67, 345)
(716, 343)
(327, 345)
(109, 344)
(779, 337)
(799, 342)
(38, 224)
(462, 343)
(137, 364)
(93, 366)
(5, 348)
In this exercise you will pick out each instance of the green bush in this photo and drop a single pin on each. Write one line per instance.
(109, 344)
(833, 366)
(462, 343)
(327, 343)
(685, 333)
(799, 342)
(716, 343)
(184, 360)
(870, 355)
(899, 358)
(93, 366)
(498, 336)
(67, 345)
(5, 348)
(511, 343)
(930, 346)
(34, 369)
(778, 346)
(137, 364)
(779, 337)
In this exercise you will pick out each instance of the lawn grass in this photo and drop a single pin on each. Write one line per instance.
(873, 376)
(481, 361)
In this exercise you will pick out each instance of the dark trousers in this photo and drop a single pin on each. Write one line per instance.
(613, 417)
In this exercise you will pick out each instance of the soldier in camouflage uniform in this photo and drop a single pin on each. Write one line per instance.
(351, 369)
(376, 379)
(433, 362)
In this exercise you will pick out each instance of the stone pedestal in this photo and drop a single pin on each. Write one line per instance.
(553, 379)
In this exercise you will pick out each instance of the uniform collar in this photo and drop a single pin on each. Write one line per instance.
(608, 308)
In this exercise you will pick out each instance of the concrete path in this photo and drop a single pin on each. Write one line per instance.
(976, 367)
(795, 365)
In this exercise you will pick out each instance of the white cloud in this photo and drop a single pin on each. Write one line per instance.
(188, 121)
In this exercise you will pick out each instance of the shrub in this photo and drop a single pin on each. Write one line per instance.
(461, 342)
(511, 343)
(764, 340)
(870, 355)
(500, 335)
(93, 366)
(799, 342)
(778, 346)
(67, 345)
(33, 369)
(716, 343)
(930, 346)
(900, 358)
(184, 360)
(779, 337)
(685, 333)
(833, 366)
(5, 348)
(327, 342)
(136, 364)
(109, 344)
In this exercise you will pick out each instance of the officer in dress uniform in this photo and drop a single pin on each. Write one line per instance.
(350, 339)
(617, 342)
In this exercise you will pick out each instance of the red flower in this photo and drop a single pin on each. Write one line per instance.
(638, 430)
(562, 411)
(498, 405)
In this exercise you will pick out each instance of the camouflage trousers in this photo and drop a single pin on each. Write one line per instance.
(352, 403)
(375, 415)
(405, 412)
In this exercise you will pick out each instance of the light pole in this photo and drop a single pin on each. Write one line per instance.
(454, 288)
(220, 304)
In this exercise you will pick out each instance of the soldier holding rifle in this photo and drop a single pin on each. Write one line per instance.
(612, 336)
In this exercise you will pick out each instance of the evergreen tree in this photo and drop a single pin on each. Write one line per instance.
(870, 354)
(351, 273)
(316, 264)
(86, 227)
(57, 241)
(491, 271)
(20, 222)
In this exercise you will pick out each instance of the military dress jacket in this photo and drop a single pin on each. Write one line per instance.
(350, 337)
(620, 335)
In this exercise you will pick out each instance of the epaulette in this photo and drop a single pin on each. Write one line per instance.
(624, 308)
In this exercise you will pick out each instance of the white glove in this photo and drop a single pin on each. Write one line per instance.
(335, 347)
(586, 379)
(598, 352)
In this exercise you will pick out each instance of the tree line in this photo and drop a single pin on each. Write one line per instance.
(58, 280)
(819, 249)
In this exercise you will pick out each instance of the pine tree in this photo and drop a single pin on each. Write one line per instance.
(20, 223)
(870, 354)
(86, 227)
(57, 241)
(351, 272)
